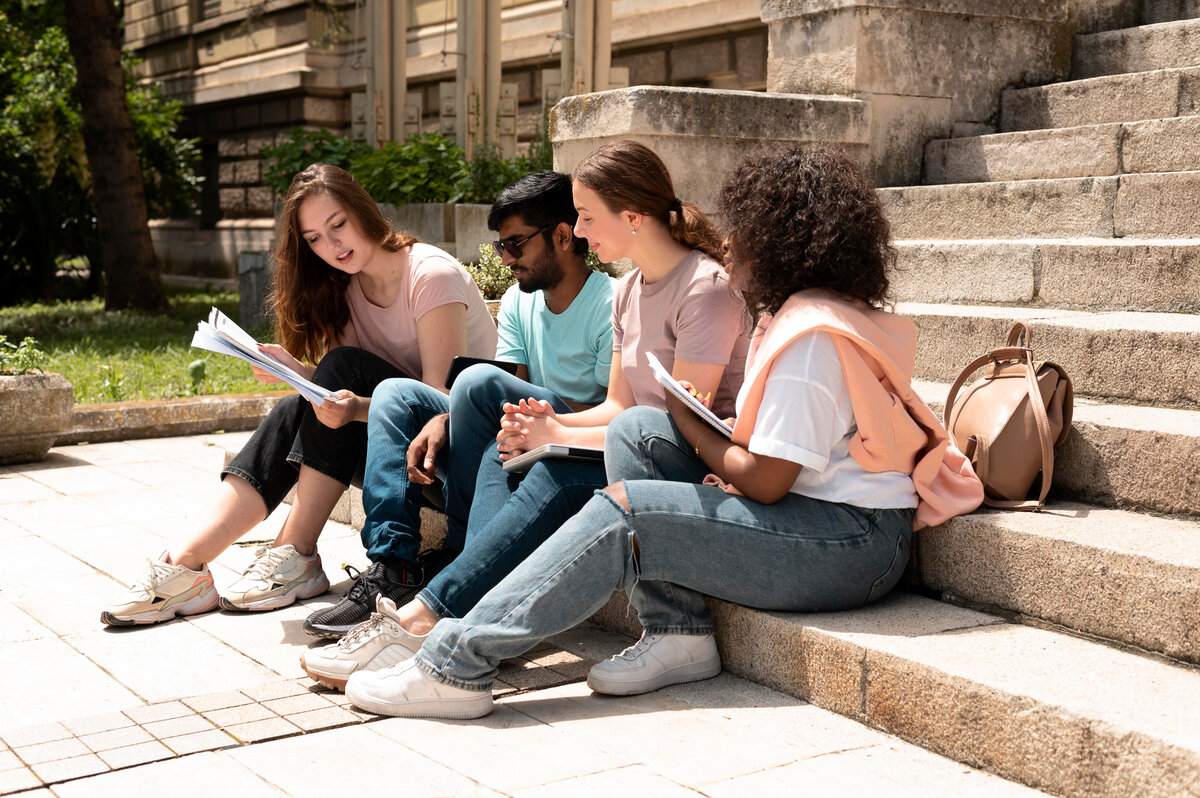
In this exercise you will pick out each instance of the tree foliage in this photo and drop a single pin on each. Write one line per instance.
(46, 204)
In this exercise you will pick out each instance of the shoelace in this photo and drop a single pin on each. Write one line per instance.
(360, 587)
(638, 648)
(265, 560)
(159, 572)
(372, 627)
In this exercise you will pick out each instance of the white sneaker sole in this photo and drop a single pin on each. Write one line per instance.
(193, 606)
(446, 708)
(691, 672)
(304, 591)
(336, 680)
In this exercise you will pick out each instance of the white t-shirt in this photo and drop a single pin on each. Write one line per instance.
(806, 417)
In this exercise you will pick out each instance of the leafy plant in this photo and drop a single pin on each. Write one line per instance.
(541, 151)
(302, 147)
(490, 172)
(23, 358)
(425, 168)
(490, 274)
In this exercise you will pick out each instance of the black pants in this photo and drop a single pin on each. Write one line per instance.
(291, 435)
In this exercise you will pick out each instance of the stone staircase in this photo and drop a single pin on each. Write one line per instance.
(1063, 651)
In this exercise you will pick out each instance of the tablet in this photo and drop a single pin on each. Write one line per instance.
(462, 361)
(522, 463)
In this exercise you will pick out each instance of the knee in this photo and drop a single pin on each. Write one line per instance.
(617, 492)
(338, 364)
(631, 427)
(481, 387)
(390, 399)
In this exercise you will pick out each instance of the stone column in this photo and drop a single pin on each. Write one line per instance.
(924, 66)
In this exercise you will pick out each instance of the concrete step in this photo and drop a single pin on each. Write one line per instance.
(1165, 45)
(1156, 94)
(1168, 10)
(1123, 356)
(1120, 455)
(1161, 145)
(1123, 576)
(1057, 712)
(1158, 275)
(1147, 206)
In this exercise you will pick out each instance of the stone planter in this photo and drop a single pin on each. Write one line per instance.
(471, 230)
(34, 410)
(432, 222)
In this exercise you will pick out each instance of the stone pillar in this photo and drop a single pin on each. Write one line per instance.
(254, 275)
(387, 84)
(690, 127)
(924, 66)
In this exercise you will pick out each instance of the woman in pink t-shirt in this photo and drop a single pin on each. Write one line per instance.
(365, 303)
(676, 304)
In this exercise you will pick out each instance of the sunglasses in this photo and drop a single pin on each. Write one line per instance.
(513, 245)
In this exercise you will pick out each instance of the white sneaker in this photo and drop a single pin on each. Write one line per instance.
(373, 644)
(278, 576)
(656, 661)
(405, 691)
(165, 591)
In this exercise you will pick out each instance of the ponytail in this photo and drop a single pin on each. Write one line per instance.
(630, 176)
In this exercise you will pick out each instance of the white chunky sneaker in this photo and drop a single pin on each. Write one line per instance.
(165, 591)
(656, 661)
(278, 576)
(378, 642)
(405, 691)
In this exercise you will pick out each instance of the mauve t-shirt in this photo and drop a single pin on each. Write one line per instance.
(432, 278)
(690, 314)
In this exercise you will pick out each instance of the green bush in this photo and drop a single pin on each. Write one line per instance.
(425, 168)
(302, 147)
(489, 172)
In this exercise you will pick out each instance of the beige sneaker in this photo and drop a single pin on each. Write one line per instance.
(375, 643)
(278, 577)
(164, 592)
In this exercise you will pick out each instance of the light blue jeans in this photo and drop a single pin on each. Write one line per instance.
(511, 514)
(798, 554)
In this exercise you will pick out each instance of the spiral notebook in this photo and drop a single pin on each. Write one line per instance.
(671, 384)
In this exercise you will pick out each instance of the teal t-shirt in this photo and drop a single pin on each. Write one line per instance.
(571, 352)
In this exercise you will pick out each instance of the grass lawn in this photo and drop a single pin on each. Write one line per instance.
(127, 355)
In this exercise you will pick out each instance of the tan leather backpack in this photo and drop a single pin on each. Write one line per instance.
(1009, 422)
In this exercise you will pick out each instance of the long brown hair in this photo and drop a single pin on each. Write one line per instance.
(629, 176)
(307, 295)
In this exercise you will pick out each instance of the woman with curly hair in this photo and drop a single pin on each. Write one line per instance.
(811, 506)
(364, 303)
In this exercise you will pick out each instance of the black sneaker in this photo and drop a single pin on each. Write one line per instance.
(400, 585)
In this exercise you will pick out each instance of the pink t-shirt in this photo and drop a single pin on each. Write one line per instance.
(432, 278)
(690, 314)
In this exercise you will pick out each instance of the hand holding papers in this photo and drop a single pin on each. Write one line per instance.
(220, 334)
(671, 384)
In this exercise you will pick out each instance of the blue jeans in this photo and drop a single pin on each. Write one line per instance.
(399, 409)
(511, 514)
(798, 554)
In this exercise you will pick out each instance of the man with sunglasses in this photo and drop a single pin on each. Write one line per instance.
(555, 323)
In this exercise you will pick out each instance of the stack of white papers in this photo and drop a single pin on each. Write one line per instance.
(220, 334)
(671, 384)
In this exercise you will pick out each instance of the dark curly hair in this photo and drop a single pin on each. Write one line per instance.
(805, 218)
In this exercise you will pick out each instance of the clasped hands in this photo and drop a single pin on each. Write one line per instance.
(526, 425)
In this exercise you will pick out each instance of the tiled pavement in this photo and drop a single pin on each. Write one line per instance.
(217, 702)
